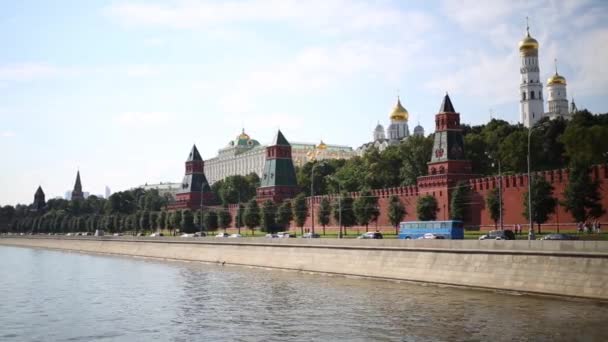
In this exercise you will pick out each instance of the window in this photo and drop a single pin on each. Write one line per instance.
(532, 95)
(523, 96)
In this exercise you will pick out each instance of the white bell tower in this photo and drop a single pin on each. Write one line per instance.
(531, 89)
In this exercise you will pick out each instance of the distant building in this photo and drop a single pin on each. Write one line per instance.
(108, 192)
(77, 193)
(245, 155)
(39, 201)
(165, 189)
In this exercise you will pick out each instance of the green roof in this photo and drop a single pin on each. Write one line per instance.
(279, 139)
(278, 172)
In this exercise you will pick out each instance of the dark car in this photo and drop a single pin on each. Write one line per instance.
(498, 235)
(370, 235)
(559, 237)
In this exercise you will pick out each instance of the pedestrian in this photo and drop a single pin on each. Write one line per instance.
(519, 229)
(599, 227)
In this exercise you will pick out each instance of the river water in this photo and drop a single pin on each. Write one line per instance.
(63, 296)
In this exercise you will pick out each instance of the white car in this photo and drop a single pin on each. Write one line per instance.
(283, 235)
(235, 236)
(187, 235)
(431, 236)
(222, 235)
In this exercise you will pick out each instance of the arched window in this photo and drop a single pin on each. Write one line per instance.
(523, 96)
(532, 95)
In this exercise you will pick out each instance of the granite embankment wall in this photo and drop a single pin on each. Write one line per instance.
(569, 268)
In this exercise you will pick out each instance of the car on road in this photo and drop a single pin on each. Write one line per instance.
(311, 236)
(370, 235)
(285, 235)
(117, 234)
(271, 236)
(222, 235)
(558, 237)
(187, 235)
(498, 235)
(431, 236)
(156, 234)
(234, 236)
(200, 234)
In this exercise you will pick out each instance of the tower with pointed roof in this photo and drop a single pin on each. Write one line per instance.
(194, 184)
(278, 181)
(448, 164)
(39, 200)
(558, 100)
(77, 194)
(573, 108)
(531, 89)
(398, 128)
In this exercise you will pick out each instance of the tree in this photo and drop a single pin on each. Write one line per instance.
(154, 216)
(240, 217)
(396, 212)
(300, 211)
(426, 208)
(210, 220)
(493, 203)
(461, 198)
(176, 220)
(581, 196)
(284, 215)
(224, 219)
(343, 212)
(543, 202)
(187, 222)
(366, 208)
(144, 220)
(162, 220)
(324, 213)
(269, 213)
(416, 153)
(252, 215)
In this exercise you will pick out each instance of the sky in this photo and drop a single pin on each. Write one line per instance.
(120, 90)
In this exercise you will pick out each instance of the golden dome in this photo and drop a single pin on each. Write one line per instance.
(528, 45)
(243, 136)
(399, 113)
(556, 79)
(321, 146)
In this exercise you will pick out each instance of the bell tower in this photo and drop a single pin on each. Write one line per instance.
(531, 89)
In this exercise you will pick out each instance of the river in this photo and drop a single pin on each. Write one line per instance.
(63, 296)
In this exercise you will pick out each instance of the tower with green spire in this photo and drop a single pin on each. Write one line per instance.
(194, 184)
(77, 194)
(278, 181)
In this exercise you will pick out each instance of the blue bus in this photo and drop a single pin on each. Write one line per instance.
(416, 229)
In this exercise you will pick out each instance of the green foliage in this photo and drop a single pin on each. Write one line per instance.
(343, 210)
(581, 196)
(284, 214)
(396, 211)
(543, 202)
(300, 210)
(324, 213)
(461, 199)
(426, 208)
(236, 189)
(187, 221)
(176, 220)
(210, 220)
(240, 217)
(144, 220)
(493, 203)
(252, 214)
(269, 213)
(224, 219)
(366, 208)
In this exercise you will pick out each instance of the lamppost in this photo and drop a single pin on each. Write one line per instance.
(531, 230)
(201, 219)
(312, 199)
(339, 206)
(499, 190)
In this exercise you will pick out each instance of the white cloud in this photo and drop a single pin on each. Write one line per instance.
(142, 118)
(7, 134)
(28, 71)
(328, 15)
(142, 70)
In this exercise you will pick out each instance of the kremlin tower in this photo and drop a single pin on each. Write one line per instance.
(77, 194)
(195, 188)
(279, 176)
(531, 102)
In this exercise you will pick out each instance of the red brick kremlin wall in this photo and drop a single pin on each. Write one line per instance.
(514, 187)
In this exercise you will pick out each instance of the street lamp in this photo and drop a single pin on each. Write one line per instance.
(499, 190)
(531, 231)
(201, 219)
(339, 206)
(312, 194)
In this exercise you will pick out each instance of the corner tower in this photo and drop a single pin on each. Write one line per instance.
(39, 200)
(279, 176)
(448, 165)
(531, 89)
(77, 194)
(194, 185)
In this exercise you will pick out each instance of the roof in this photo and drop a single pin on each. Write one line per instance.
(194, 155)
(78, 184)
(39, 191)
(279, 139)
(446, 105)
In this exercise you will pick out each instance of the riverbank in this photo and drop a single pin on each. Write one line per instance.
(561, 268)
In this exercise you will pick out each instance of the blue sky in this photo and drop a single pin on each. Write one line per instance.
(122, 89)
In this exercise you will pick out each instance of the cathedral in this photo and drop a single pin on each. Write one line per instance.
(396, 132)
(532, 107)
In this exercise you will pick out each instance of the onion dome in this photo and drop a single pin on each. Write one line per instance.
(243, 136)
(379, 128)
(528, 46)
(399, 113)
(419, 130)
(556, 79)
(321, 146)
